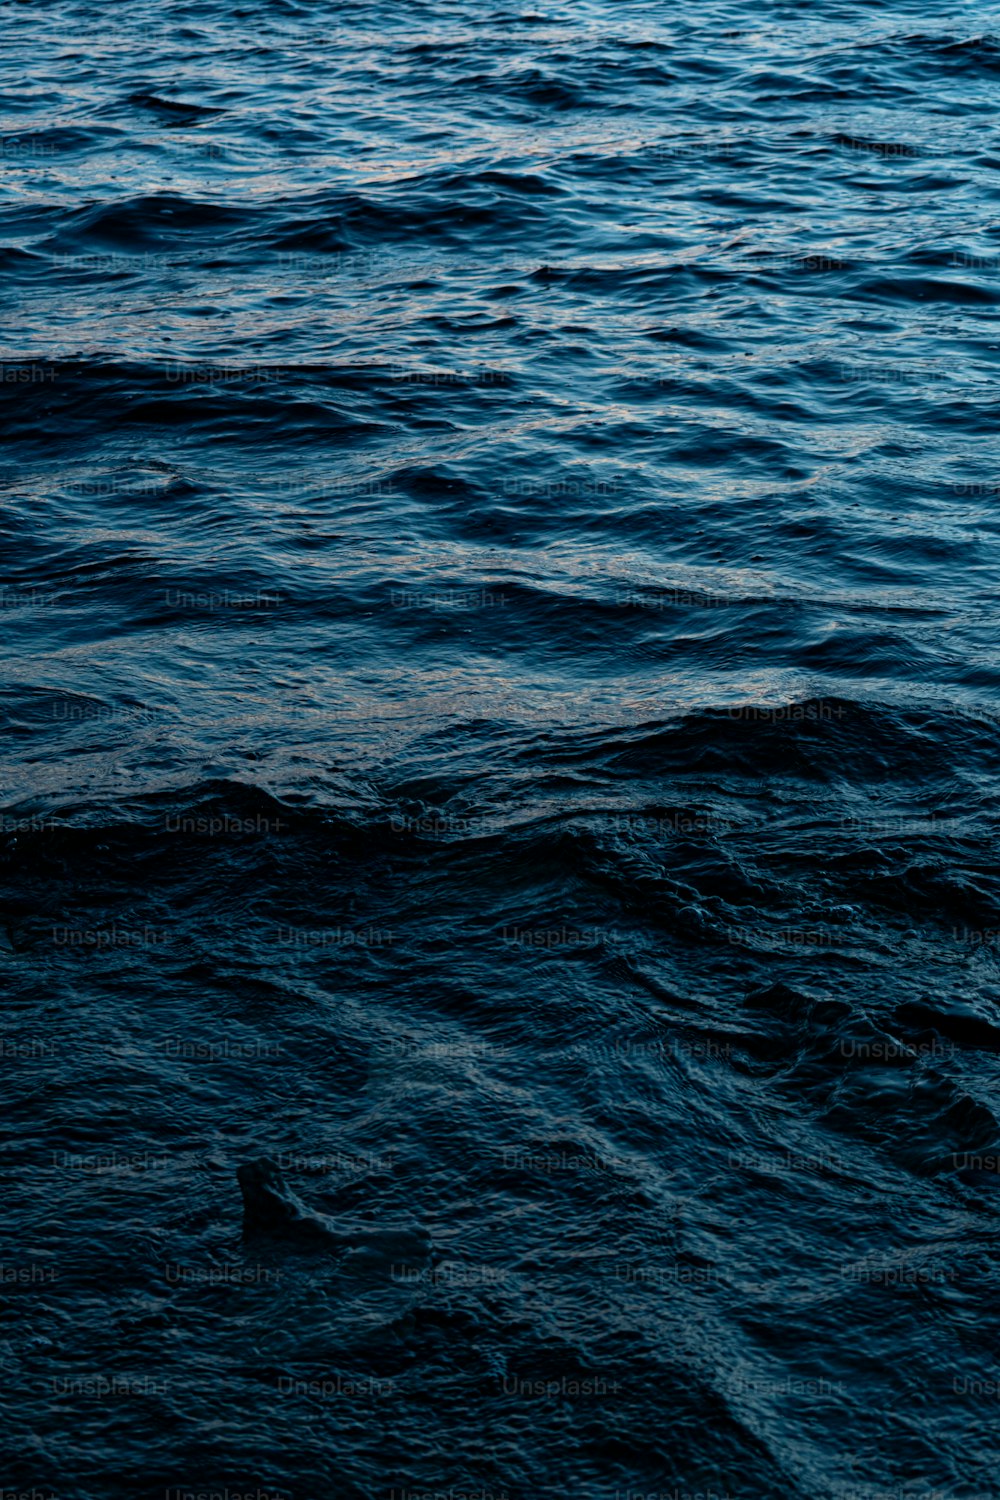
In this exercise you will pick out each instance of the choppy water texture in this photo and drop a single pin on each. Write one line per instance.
(499, 520)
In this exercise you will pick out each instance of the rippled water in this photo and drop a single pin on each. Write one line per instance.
(499, 519)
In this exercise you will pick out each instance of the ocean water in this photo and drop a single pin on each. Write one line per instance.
(500, 718)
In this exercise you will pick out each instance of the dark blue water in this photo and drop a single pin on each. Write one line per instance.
(499, 520)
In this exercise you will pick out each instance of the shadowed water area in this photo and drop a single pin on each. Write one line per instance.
(501, 744)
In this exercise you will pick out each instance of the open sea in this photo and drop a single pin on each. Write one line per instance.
(500, 723)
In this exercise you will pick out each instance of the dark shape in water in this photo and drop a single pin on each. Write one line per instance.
(272, 1209)
(174, 111)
